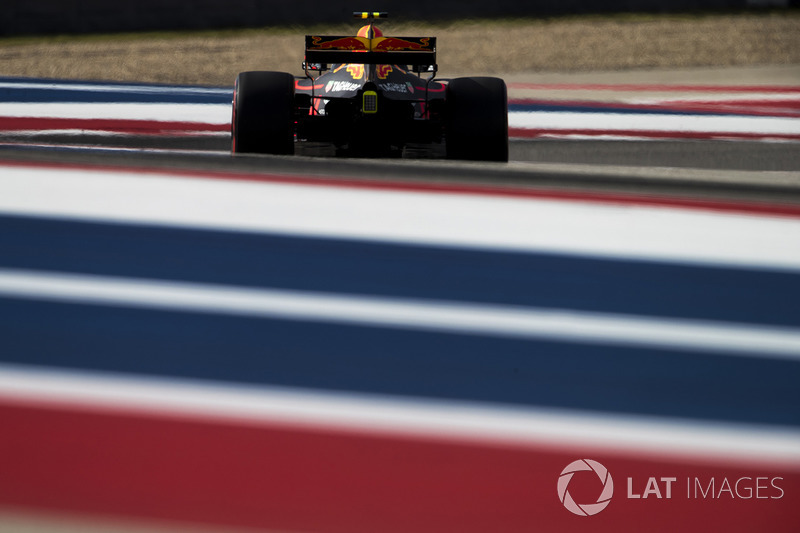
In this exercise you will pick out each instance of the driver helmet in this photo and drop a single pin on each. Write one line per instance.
(370, 31)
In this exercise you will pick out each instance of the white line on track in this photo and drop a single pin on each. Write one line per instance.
(716, 98)
(376, 414)
(116, 88)
(115, 149)
(440, 219)
(200, 113)
(450, 317)
(655, 122)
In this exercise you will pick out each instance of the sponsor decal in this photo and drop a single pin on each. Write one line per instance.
(394, 87)
(383, 71)
(391, 44)
(337, 43)
(356, 70)
(341, 86)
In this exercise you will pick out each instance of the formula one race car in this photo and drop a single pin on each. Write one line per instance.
(370, 95)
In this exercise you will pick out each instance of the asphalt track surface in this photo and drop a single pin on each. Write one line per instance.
(684, 168)
(313, 343)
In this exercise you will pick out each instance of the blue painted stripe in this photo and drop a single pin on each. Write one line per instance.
(394, 361)
(18, 89)
(413, 271)
(57, 91)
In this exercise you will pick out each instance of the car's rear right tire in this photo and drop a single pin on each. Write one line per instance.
(263, 113)
(476, 119)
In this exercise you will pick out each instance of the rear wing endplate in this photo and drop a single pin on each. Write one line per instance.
(328, 49)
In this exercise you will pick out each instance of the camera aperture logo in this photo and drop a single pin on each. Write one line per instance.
(585, 509)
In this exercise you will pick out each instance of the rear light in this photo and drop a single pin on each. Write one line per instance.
(369, 103)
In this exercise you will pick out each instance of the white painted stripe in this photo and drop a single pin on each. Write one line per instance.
(201, 113)
(441, 219)
(115, 88)
(118, 149)
(106, 133)
(655, 122)
(716, 98)
(641, 137)
(376, 414)
(452, 317)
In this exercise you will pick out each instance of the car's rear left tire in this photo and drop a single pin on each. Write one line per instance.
(263, 113)
(476, 119)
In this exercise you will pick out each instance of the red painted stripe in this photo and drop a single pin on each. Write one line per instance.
(756, 208)
(792, 103)
(654, 87)
(651, 134)
(287, 478)
(137, 127)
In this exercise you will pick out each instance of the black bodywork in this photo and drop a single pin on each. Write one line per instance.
(408, 108)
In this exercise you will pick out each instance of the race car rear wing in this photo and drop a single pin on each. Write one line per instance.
(415, 51)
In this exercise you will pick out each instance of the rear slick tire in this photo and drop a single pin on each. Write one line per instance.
(476, 120)
(263, 113)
